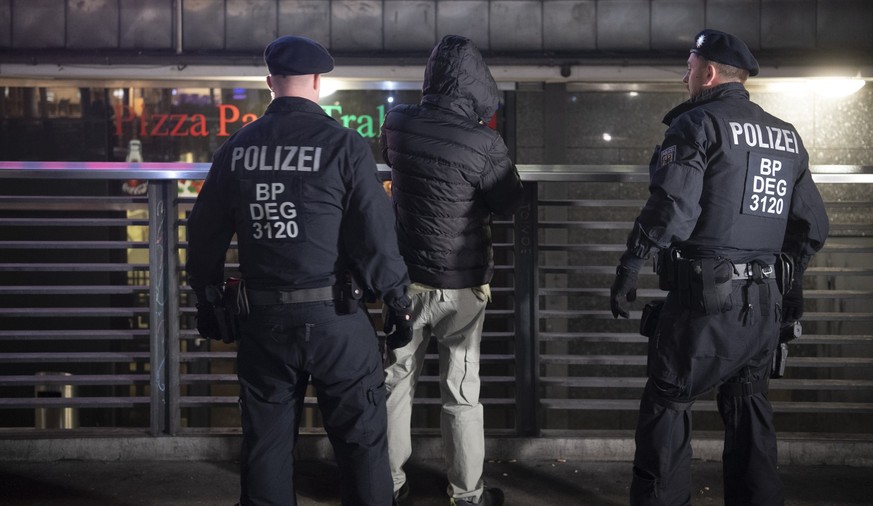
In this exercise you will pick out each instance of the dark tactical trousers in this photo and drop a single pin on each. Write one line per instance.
(691, 354)
(284, 347)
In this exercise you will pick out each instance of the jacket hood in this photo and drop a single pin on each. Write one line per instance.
(457, 77)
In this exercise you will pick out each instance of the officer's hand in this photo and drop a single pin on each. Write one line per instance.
(792, 302)
(207, 322)
(624, 287)
(398, 324)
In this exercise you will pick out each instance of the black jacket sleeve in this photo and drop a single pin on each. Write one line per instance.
(808, 224)
(210, 229)
(368, 229)
(500, 184)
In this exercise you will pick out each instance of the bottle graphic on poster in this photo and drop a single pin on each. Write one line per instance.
(134, 155)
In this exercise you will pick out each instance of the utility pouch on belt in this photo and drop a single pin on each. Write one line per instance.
(784, 273)
(350, 294)
(651, 316)
(702, 284)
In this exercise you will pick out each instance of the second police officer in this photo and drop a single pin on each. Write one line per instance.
(730, 190)
(303, 197)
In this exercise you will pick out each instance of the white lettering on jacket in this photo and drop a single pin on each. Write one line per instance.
(753, 135)
(295, 158)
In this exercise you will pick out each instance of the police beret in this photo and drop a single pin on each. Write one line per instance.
(294, 56)
(725, 48)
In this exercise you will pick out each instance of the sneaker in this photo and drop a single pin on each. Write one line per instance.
(491, 497)
(401, 494)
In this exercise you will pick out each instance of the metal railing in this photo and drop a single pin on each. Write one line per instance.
(98, 333)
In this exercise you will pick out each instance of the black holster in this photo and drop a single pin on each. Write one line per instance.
(351, 294)
(784, 272)
(231, 305)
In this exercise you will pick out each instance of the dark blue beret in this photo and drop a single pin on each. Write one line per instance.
(725, 48)
(296, 56)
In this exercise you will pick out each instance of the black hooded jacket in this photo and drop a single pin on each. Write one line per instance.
(449, 171)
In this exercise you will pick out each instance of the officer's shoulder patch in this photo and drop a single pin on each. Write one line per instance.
(667, 156)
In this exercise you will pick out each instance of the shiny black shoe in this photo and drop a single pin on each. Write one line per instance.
(401, 494)
(491, 497)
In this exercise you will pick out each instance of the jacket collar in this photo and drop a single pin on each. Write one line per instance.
(720, 92)
(293, 104)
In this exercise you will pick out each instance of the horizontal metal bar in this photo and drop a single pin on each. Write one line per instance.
(75, 357)
(592, 337)
(636, 204)
(779, 407)
(634, 360)
(73, 290)
(630, 337)
(72, 267)
(73, 222)
(70, 335)
(775, 384)
(207, 378)
(72, 402)
(657, 293)
(830, 247)
(74, 379)
(607, 314)
(182, 170)
(66, 312)
(68, 245)
(593, 359)
(72, 203)
(630, 203)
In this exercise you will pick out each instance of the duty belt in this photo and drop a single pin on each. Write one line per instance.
(273, 297)
(745, 271)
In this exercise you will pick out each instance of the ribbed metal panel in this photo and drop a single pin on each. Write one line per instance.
(251, 24)
(637, 28)
(5, 23)
(570, 25)
(844, 24)
(468, 18)
(146, 24)
(356, 25)
(788, 24)
(516, 25)
(203, 24)
(674, 23)
(92, 24)
(623, 25)
(307, 18)
(739, 17)
(38, 23)
(410, 24)
(93, 330)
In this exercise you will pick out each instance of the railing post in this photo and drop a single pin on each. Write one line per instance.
(164, 308)
(526, 315)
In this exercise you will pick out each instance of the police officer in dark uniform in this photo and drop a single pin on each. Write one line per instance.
(730, 191)
(303, 197)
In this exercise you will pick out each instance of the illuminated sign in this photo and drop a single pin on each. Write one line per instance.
(149, 124)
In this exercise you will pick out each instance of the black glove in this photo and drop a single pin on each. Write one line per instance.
(398, 323)
(207, 322)
(624, 287)
(792, 302)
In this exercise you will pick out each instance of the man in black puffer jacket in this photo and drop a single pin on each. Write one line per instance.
(449, 173)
